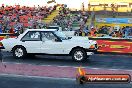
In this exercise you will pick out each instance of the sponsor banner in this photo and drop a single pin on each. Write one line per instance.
(82, 77)
(107, 78)
(7, 35)
(2, 37)
(101, 20)
(130, 21)
(115, 20)
(114, 45)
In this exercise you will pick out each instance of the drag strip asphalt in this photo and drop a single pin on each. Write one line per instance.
(9, 81)
(95, 61)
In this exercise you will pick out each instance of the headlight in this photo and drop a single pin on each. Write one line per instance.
(92, 46)
(96, 46)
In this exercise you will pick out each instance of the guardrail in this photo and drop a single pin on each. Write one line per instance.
(7, 35)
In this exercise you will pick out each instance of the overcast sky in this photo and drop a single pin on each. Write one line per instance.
(70, 3)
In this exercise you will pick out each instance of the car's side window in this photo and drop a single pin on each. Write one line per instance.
(46, 36)
(32, 36)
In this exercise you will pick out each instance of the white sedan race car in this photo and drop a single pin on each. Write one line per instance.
(49, 41)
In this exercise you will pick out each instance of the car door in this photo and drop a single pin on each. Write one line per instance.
(31, 41)
(49, 45)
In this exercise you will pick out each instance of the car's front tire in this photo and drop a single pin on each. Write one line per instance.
(79, 54)
(19, 52)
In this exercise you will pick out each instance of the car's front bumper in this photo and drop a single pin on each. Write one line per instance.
(92, 50)
(90, 53)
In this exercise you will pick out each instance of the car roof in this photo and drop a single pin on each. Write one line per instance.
(41, 29)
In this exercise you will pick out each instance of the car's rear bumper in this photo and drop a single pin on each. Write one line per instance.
(2, 47)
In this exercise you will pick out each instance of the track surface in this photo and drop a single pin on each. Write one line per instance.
(31, 82)
(96, 61)
(59, 68)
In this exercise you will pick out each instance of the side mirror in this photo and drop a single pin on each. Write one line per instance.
(57, 40)
(69, 37)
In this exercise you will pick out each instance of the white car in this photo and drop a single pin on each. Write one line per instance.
(49, 41)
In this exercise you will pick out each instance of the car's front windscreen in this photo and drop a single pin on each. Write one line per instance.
(61, 35)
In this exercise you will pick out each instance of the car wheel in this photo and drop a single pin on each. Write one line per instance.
(19, 52)
(79, 55)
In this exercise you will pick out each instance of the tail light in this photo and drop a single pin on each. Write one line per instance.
(1, 44)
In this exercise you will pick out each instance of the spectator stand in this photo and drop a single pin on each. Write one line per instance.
(19, 18)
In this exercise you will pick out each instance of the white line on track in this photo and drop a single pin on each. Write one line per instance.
(39, 77)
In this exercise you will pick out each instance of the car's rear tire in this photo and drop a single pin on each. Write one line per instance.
(19, 52)
(79, 54)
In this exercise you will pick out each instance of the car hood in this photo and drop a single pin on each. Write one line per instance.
(79, 38)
